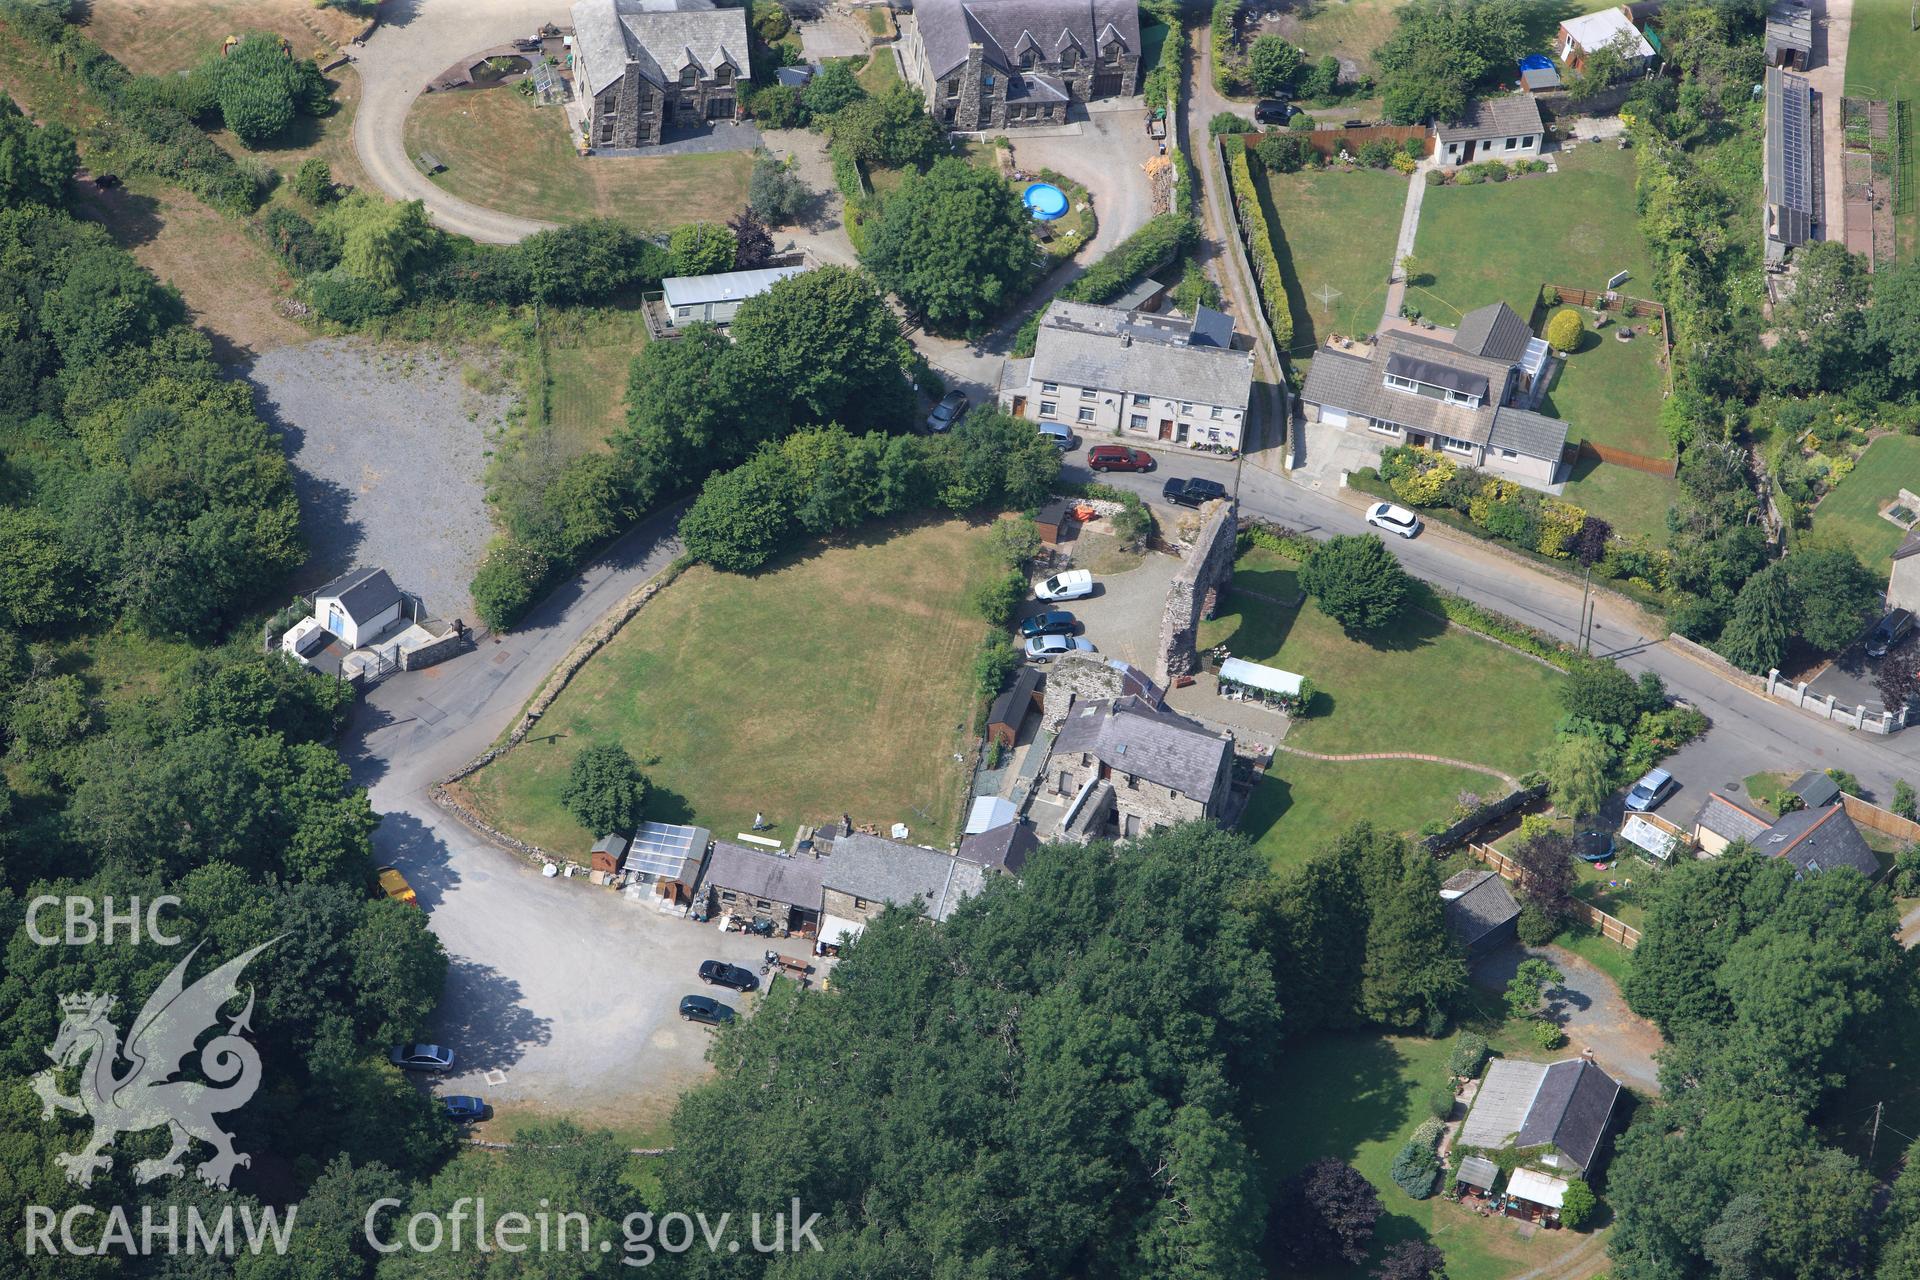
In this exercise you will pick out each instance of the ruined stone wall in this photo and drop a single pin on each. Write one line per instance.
(1194, 593)
(1076, 677)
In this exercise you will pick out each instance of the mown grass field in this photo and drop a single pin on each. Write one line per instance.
(1610, 391)
(1334, 230)
(505, 153)
(835, 682)
(1852, 509)
(1425, 689)
(588, 360)
(1357, 1098)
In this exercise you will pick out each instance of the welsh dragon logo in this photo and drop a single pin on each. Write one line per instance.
(147, 1096)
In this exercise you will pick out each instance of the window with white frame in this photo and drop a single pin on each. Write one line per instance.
(1049, 387)
(1459, 446)
(1214, 413)
(1138, 422)
(1048, 408)
(1139, 399)
(1384, 428)
(1512, 143)
(1086, 414)
(1509, 453)
(1087, 393)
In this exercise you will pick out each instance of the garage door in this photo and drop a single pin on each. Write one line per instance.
(1333, 417)
(1106, 85)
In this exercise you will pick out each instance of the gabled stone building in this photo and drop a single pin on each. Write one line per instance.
(1123, 767)
(999, 64)
(642, 65)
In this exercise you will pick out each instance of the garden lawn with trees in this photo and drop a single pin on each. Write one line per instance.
(503, 152)
(1852, 510)
(1418, 686)
(1333, 229)
(830, 682)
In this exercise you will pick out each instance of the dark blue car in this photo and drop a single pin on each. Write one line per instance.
(1057, 623)
(463, 1106)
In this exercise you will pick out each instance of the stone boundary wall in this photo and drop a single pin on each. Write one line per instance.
(563, 672)
(1194, 592)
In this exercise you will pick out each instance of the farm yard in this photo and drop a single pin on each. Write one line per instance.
(1428, 689)
(835, 681)
(503, 152)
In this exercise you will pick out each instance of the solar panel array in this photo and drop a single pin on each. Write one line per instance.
(661, 849)
(1797, 188)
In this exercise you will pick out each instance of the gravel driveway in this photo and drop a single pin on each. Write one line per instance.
(387, 452)
(1590, 1008)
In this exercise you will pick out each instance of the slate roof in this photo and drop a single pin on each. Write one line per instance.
(1350, 382)
(1511, 115)
(364, 594)
(1011, 707)
(1500, 1108)
(1481, 903)
(1571, 1110)
(1728, 820)
(1131, 737)
(1495, 331)
(1478, 1171)
(660, 36)
(1037, 86)
(1911, 547)
(793, 880)
(613, 844)
(1003, 28)
(888, 871)
(1084, 345)
(1004, 848)
(1789, 26)
(1816, 840)
(1815, 789)
(1402, 364)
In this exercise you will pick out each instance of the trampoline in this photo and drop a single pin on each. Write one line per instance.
(1045, 201)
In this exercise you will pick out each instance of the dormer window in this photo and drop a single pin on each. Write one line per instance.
(1026, 59)
(1113, 50)
(689, 74)
(1068, 57)
(722, 73)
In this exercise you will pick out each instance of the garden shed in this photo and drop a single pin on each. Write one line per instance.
(1012, 706)
(1537, 1188)
(608, 850)
(1053, 519)
(1479, 1172)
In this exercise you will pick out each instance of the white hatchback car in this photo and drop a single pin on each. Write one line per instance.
(1385, 515)
(1071, 585)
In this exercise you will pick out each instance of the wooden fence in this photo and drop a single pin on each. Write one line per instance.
(1886, 823)
(1612, 928)
(1666, 468)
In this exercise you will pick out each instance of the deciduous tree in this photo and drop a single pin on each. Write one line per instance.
(954, 244)
(605, 790)
(1356, 581)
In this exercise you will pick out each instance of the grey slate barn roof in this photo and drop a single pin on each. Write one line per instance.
(1511, 115)
(1004, 848)
(1571, 1111)
(1815, 789)
(659, 36)
(613, 844)
(363, 593)
(1131, 737)
(1728, 820)
(1084, 345)
(1003, 28)
(1524, 1104)
(1816, 840)
(888, 871)
(1495, 331)
(1480, 902)
(1533, 435)
(795, 881)
(1011, 707)
(1910, 547)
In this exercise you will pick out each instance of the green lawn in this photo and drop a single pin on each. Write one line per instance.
(882, 71)
(1883, 61)
(1634, 502)
(505, 153)
(1603, 954)
(1500, 241)
(1338, 230)
(1852, 509)
(588, 366)
(834, 682)
(1610, 392)
(1426, 689)
(1357, 1098)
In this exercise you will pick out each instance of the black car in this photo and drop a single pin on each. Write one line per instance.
(1057, 622)
(1274, 111)
(705, 1009)
(465, 1107)
(1192, 493)
(718, 973)
(1888, 632)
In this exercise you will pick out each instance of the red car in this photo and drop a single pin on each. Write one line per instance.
(1117, 457)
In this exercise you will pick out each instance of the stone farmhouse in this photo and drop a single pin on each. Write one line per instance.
(641, 66)
(1123, 767)
(1101, 370)
(1470, 396)
(1507, 128)
(864, 873)
(1000, 64)
(1567, 1108)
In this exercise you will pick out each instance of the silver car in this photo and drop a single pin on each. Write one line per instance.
(421, 1057)
(952, 408)
(1047, 648)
